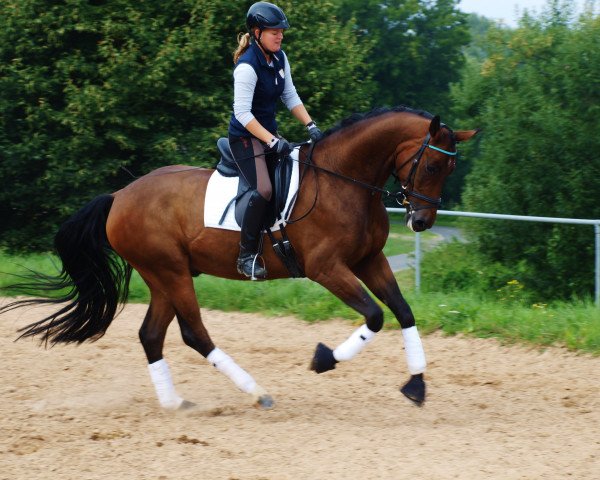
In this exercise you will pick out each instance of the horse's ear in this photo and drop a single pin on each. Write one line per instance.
(434, 126)
(464, 135)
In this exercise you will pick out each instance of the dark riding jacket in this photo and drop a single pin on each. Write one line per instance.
(269, 88)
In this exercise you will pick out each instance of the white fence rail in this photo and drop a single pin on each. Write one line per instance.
(524, 218)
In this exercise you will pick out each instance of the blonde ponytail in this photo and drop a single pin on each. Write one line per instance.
(243, 44)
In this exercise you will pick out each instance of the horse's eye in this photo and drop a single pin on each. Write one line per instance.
(431, 169)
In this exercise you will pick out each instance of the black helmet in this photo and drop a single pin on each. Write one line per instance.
(266, 15)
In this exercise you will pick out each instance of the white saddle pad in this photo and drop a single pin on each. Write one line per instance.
(221, 190)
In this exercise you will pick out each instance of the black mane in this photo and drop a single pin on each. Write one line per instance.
(357, 117)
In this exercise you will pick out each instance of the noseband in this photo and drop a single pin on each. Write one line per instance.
(403, 196)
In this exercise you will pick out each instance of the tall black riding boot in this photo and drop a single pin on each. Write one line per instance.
(248, 262)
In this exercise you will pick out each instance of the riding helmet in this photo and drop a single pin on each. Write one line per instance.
(266, 15)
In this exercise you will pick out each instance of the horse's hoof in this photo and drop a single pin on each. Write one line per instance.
(185, 405)
(265, 402)
(414, 389)
(323, 359)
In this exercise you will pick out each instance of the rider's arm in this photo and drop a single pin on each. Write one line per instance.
(260, 132)
(290, 96)
(299, 111)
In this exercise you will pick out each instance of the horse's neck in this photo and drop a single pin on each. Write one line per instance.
(364, 151)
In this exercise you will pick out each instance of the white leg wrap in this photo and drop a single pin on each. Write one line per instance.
(355, 343)
(415, 356)
(163, 384)
(225, 364)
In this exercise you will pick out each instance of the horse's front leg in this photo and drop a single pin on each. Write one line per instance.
(340, 281)
(377, 275)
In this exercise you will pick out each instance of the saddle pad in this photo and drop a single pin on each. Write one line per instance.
(221, 190)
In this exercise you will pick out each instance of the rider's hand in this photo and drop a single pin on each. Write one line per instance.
(314, 132)
(281, 146)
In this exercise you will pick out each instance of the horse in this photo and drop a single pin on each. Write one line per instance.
(155, 225)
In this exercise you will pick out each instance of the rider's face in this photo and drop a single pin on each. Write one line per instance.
(271, 39)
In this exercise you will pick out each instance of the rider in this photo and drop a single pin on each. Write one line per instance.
(261, 76)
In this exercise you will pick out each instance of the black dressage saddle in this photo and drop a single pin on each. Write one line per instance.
(280, 174)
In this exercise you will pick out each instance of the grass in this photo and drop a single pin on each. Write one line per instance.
(401, 240)
(574, 324)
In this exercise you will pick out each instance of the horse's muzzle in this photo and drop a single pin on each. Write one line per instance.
(418, 222)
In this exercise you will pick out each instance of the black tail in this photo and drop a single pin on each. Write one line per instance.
(97, 279)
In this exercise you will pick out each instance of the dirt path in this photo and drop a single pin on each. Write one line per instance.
(493, 412)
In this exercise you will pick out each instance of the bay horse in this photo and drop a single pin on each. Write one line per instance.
(155, 226)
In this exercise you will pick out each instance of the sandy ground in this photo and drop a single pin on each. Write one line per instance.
(493, 412)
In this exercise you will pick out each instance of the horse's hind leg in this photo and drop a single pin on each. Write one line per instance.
(195, 335)
(225, 364)
(152, 336)
(379, 279)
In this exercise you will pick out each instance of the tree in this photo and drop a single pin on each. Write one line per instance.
(475, 53)
(537, 98)
(329, 66)
(416, 48)
(88, 88)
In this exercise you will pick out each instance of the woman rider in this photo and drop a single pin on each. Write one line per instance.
(261, 76)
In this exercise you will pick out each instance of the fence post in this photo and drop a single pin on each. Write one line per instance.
(417, 262)
(597, 232)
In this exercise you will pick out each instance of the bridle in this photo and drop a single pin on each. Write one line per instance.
(402, 196)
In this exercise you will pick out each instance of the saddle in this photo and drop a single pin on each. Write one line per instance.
(280, 175)
(280, 179)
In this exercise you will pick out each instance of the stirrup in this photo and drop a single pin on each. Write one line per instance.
(250, 266)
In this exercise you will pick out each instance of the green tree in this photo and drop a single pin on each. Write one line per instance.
(329, 66)
(475, 53)
(479, 27)
(89, 87)
(537, 97)
(416, 48)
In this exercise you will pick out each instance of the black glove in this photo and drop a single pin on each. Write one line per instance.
(315, 133)
(282, 147)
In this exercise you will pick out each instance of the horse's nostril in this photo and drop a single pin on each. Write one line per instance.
(419, 225)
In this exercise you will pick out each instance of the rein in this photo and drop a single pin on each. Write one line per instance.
(402, 196)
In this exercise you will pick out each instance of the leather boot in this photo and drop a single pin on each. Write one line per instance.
(248, 262)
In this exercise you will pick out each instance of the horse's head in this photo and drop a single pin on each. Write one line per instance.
(423, 173)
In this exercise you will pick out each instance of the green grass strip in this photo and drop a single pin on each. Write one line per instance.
(574, 324)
